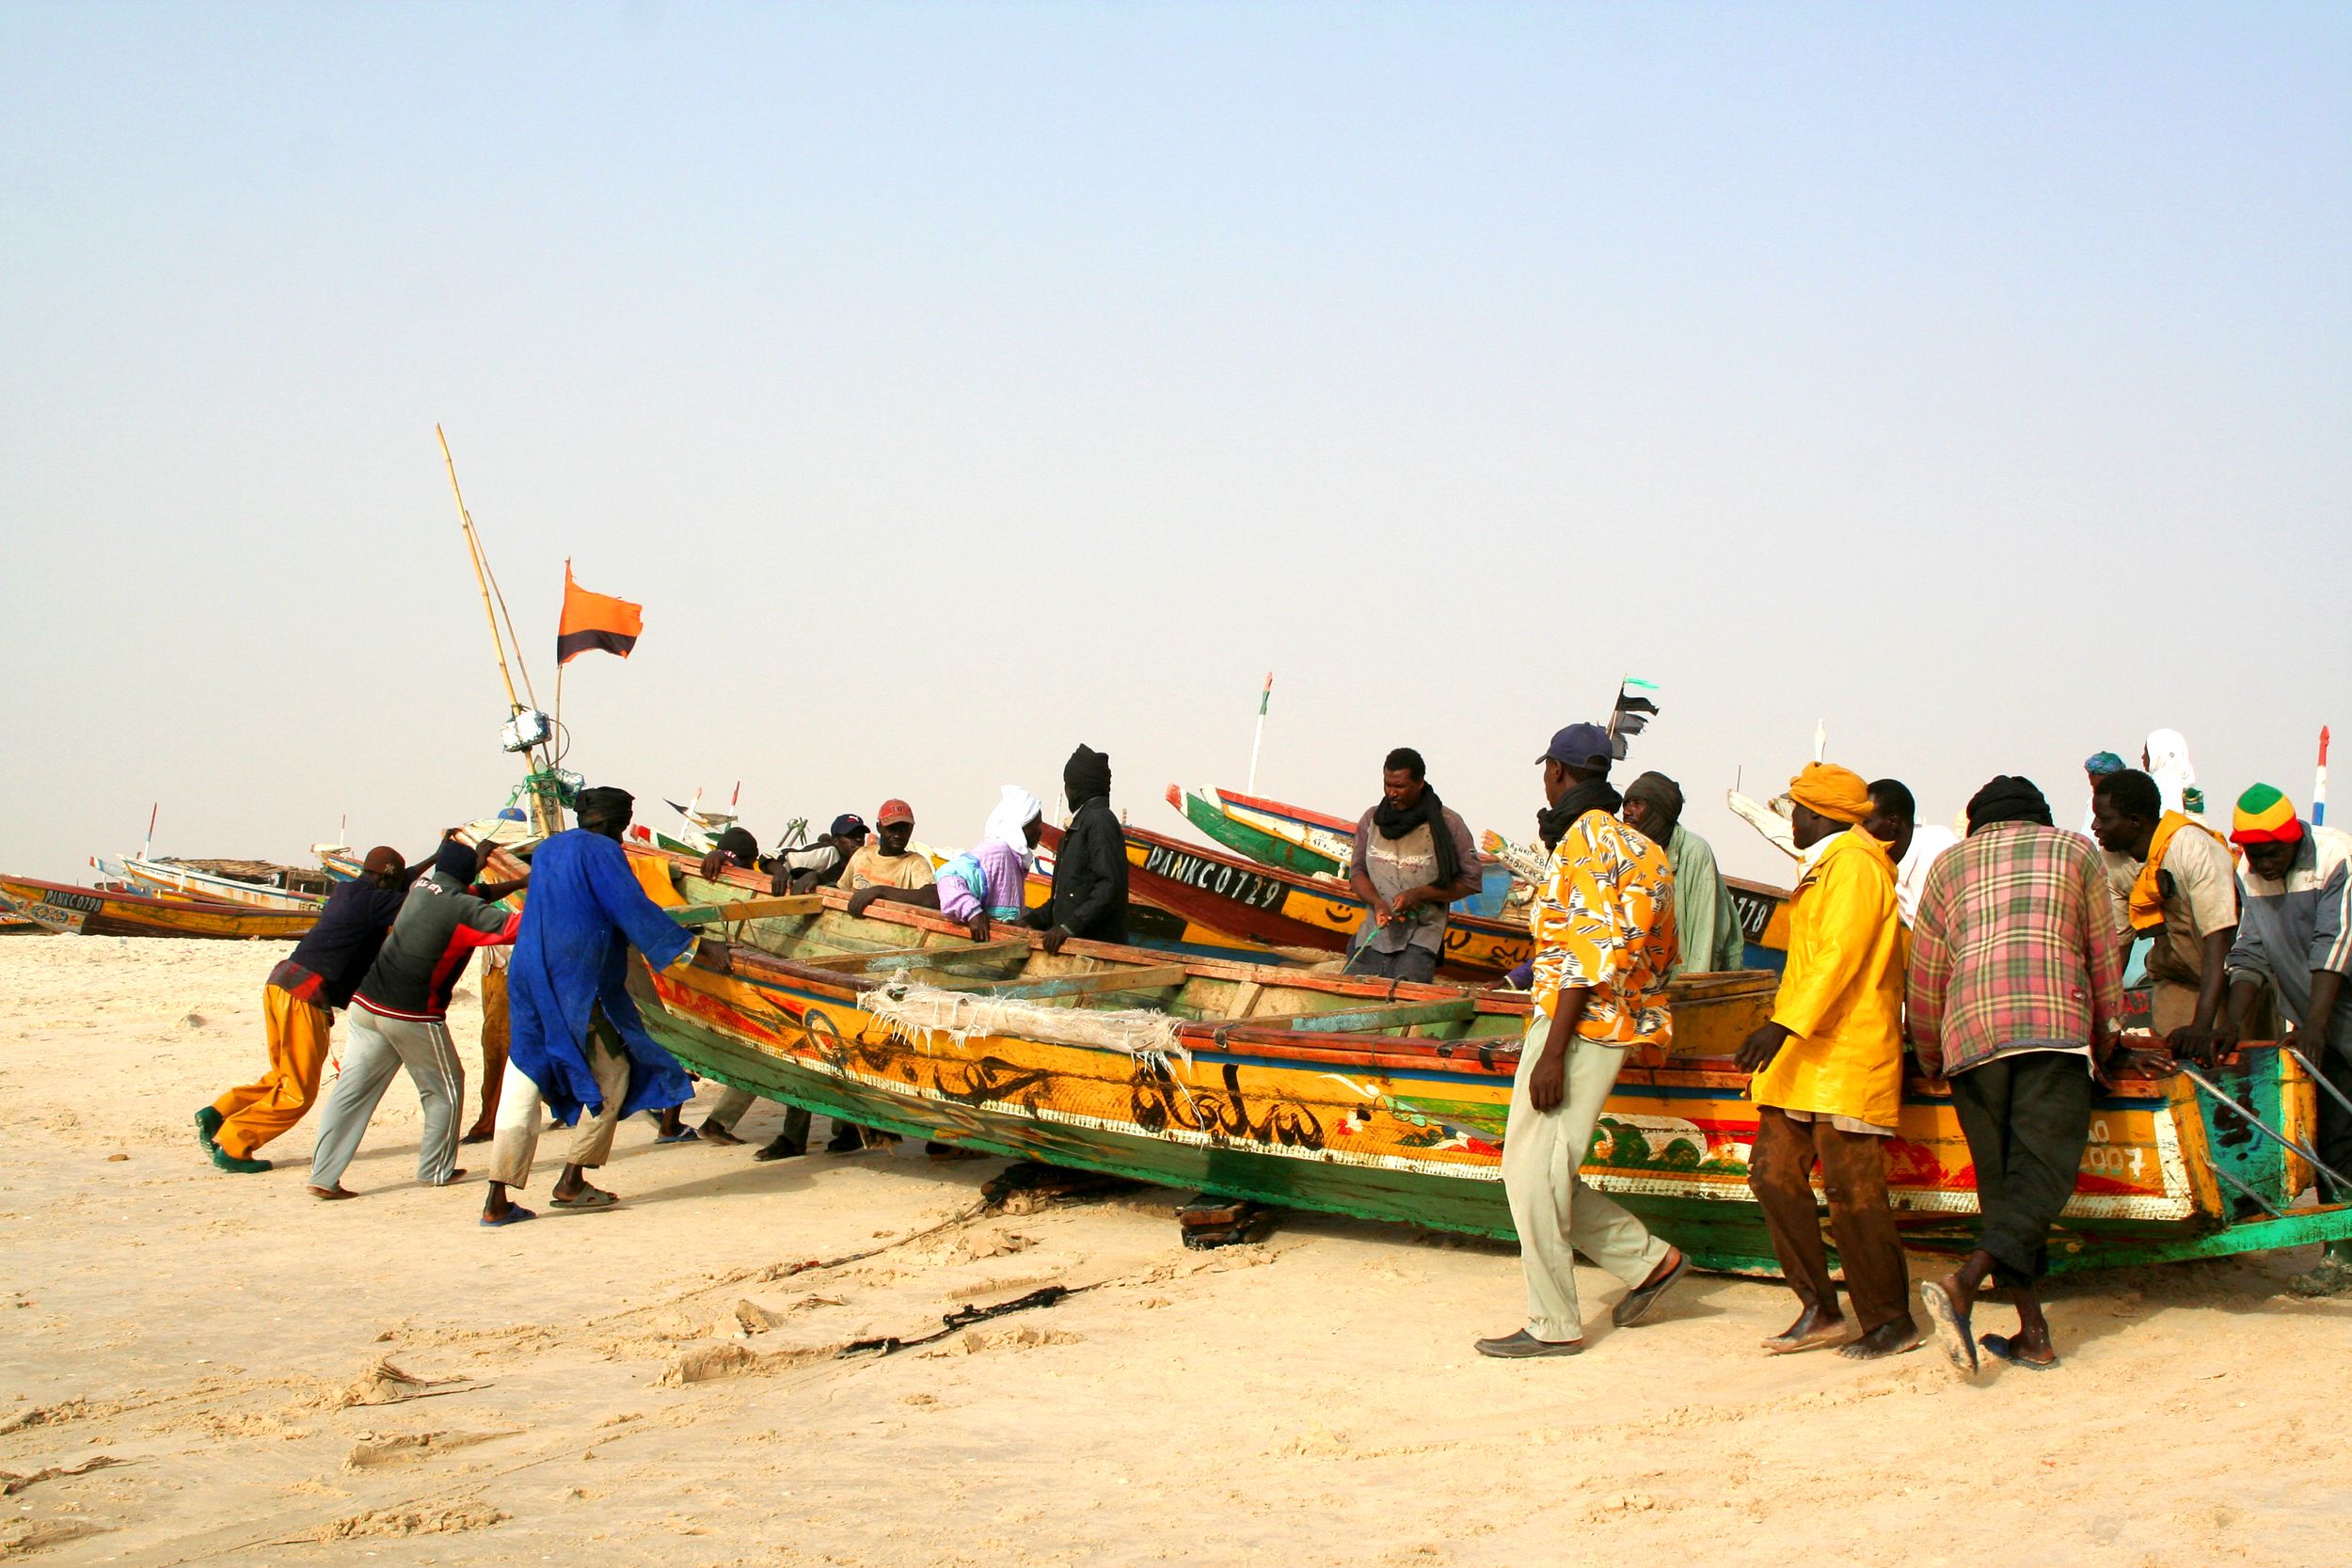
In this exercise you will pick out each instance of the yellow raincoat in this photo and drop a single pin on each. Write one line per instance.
(1842, 992)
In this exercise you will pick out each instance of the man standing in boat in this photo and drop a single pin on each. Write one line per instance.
(297, 1006)
(2176, 882)
(1706, 923)
(1413, 857)
(1828, 1082)
(2016, 982)
(576, 1043)
(1603, 925)
(2295, 941)
(1090, 896)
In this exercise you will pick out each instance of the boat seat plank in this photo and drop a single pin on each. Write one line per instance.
(1138, 977)
(1355, 1019)
(746, 908)
(901, 958)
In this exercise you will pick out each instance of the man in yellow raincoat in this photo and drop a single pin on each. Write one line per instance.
(1828, 1078)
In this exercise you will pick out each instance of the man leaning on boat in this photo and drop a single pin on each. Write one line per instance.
(1413, 857)
(1603, 925)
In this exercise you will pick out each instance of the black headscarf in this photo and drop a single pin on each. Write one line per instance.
(1085, 776)
(459, 860)
(738, 845)
(1594, 794)
(2008, 799)
(1665, 797)
(1395, 821)
(605, 809)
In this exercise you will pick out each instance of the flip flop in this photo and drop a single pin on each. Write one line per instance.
(1951, 1329)
(2002, 1349)
(1821, 1338)
(595, 1198)
(515, 1214)
(683, 1136)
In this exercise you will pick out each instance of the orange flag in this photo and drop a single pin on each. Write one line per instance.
(594, 621)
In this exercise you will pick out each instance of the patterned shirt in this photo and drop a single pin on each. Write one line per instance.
(1604, 918)
(2015, 946)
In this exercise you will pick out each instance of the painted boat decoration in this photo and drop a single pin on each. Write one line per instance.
(1388, 1101)
(90, 912)
(163, 880)
(1282, 909)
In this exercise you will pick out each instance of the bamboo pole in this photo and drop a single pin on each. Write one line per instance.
(481, 576)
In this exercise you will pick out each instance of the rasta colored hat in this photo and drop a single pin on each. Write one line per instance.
(2264, 816)
(1837, 793)
(2098, 763)
(894, 810)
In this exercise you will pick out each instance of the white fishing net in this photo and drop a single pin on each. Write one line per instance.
(1141, 1032)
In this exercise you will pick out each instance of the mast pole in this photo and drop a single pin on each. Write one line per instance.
(2319, 785)
(482, 580)
(1266, 696)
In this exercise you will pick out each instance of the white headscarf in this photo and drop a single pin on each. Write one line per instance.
(1013, 813)
(2169, 764)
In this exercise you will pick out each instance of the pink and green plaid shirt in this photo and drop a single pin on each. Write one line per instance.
(2015, 946)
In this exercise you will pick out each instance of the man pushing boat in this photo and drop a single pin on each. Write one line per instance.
(576, 1043)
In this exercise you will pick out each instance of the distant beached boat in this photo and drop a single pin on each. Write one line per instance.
(162, 878)
(89, 911)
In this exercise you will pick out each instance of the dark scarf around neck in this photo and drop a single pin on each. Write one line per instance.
(1592, 795)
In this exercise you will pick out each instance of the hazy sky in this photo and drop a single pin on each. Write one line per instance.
(956, 383)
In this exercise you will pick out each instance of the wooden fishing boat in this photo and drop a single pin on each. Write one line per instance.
(1284, 909)
(92, 912)
(166, 879)
(1387, 1101)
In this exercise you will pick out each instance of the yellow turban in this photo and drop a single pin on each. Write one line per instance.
(1838, 793)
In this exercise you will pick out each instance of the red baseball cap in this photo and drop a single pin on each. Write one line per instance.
(894, 810)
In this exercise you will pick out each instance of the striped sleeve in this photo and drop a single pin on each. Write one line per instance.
(2332, 927)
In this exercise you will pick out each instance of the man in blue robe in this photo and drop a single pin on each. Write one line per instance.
(576, 1043)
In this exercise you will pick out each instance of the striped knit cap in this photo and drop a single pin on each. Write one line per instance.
(2264, 816)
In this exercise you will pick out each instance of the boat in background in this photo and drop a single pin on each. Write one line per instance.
(1387, 1100)
(174, 879)
(90, 911)
(1266, 905)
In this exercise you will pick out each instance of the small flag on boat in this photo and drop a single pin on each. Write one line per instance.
(1632, 713)
(594, 621)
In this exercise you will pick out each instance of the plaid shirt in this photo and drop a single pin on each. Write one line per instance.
(2014, 944)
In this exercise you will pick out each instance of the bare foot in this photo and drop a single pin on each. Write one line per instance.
(329, 1195)
(1815, 1327)
(478, 1136)
(1891, 1338)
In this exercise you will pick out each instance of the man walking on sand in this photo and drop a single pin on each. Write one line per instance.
(1603, 925)
(577, 1044)
(2016, 978)
(1828, 1080)
(297, 1008)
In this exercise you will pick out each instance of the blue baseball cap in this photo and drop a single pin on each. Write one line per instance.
(1580, 746)
(849, 825)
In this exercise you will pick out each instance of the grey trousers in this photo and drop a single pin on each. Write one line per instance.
(733, 1103)
(375, 1048)
(1555, 1213)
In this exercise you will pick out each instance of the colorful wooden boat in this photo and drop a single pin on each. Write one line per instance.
(1388, 1101)
(1265, 904)
(1292, 837)
(164, 879)
(92, 912)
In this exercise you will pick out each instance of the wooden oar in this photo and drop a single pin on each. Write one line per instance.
(1139, 977)
(746, 908)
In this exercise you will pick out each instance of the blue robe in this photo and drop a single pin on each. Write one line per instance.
(582, 913)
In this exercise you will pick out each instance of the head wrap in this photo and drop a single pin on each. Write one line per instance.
(1837, 793)
(2098, 763)
(1662, 796)
(2264, 816)
(1007, 822)
(2169, 764)
(1086, 775)
(2008, 799)
(459, 860)
(604, 810)
(1594, 794)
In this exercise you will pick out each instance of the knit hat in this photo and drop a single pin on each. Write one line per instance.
(1837, 793)
(2264, 816)
(2102, 762)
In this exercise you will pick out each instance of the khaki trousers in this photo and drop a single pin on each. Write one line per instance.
(521, 1108)
(1555, 1213)
(253, 1113)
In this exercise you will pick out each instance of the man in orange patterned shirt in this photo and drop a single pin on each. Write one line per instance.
(1603, 925)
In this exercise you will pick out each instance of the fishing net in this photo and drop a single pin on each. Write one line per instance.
(1140, 1032)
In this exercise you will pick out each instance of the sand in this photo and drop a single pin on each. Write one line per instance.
(275, 1380)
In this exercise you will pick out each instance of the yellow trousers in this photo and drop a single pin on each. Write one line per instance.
(255, 1112)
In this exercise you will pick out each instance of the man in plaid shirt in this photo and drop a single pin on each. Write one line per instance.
(2016, 981)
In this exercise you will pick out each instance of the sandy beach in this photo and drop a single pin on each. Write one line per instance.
(202, 1367)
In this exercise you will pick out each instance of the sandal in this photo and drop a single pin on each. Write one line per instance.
(1951, 1327)
(591, 1197)
(515, 1214)
(2003, 1350)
